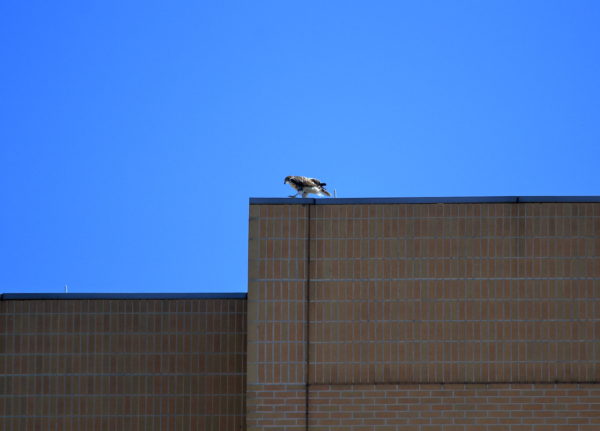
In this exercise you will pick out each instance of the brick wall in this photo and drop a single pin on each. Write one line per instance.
(414, 294)
(455, 407)
(122, 365)
(455, 293)
(278, 265)
(429, 317)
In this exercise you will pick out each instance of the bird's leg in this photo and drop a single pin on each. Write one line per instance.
(304, 194)
(293, 196)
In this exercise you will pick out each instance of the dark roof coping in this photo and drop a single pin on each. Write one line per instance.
(31, 296)
(426, 200)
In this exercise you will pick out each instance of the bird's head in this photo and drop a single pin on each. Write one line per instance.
(287, 179)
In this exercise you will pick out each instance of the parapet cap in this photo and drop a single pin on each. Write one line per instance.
(106, 296)
(426, 200)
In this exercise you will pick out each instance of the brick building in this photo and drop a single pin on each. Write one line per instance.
(122, 362)
(362, 314)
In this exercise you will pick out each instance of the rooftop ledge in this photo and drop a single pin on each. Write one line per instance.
(80, 296)
(425, 200)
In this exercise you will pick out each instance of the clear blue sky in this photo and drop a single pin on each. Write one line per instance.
(134, 132)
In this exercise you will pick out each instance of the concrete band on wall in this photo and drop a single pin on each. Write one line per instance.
(398, 316)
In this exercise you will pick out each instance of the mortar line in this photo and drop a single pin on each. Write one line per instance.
(307, 312)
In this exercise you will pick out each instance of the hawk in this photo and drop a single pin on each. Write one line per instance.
(306, 185)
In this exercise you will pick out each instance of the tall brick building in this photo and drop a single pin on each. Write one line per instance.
(362, 314)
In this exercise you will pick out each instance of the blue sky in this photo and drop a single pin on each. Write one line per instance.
(134, 132)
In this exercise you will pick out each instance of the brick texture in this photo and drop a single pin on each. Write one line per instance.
(455, 293)
(75, 365)
(424, 317)
(455, 407)
(277, 289)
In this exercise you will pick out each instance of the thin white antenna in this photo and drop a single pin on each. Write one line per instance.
(334, 193)
(66, 289)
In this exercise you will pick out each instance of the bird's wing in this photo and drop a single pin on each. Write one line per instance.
(316, 182)
(302, 181)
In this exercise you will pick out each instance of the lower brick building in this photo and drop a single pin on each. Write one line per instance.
(122, 362)
(362, 314)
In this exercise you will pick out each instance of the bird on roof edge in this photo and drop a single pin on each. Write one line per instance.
(306, 186)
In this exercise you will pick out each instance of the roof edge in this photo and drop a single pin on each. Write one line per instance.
(91, 296)
(426, 200)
